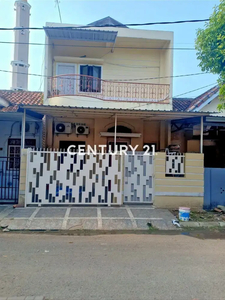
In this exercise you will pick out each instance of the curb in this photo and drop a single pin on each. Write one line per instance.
(202, 224)
(23, 298)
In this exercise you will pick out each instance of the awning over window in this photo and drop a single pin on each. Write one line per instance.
(75, 34)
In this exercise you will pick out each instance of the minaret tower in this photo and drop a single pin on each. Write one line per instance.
(21, 46)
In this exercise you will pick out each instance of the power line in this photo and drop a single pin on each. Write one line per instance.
(203, 87)
(104, 47)
(57, 3)
(100, 26)
(115, 80)
(196, 89)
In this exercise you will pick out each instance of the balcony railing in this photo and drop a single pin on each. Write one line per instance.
(88, 86)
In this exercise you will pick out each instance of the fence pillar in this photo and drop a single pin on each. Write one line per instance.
(23, 173)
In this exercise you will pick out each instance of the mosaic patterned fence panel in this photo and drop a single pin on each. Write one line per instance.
(175, 164)
(59, 178)
(138, 181)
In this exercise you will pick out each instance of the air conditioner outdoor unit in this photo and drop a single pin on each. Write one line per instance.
(63, 127)
(30, 127)
(82, 129)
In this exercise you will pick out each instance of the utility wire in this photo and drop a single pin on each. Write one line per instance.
(91, 26)
(114, 80)
(60, 16)
(104, 47)
(203, 87)
(196, 89)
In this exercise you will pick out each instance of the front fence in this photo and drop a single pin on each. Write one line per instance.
(138, 178)
(175, 164)
(59, 178)
(54, 177)
(9, 179)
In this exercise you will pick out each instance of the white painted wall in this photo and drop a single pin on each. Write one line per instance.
(213, 107)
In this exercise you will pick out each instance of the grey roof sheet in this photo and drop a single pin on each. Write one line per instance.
(107, 22)
(114, 109)
(61, 33)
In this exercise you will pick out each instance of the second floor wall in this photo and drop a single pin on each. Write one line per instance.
(133, 71)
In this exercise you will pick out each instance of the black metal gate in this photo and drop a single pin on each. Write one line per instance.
(9, 179)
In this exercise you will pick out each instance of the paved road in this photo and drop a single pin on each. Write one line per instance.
(112, 267)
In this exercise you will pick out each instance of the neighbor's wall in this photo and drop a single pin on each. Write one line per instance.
(173, 192)
(213, 107)
(11, 129)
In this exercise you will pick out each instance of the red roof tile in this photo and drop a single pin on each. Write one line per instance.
(181, 104)
(203, 98)
(190, 104)
(15, 98)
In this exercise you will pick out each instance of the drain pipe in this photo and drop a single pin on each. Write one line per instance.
(23, 131)
(115, 132)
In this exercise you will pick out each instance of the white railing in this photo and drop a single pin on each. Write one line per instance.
(88, 86)
(175, 164)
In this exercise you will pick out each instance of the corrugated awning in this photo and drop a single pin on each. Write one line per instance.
(68, 112)
(75, 34)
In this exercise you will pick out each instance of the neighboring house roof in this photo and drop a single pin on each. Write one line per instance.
(195, 104)
(181, 104)
(107, 22)
(201, 100)
(12, 99)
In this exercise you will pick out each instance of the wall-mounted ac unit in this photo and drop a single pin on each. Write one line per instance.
(30, 127)
(61, 127)
(82, 129)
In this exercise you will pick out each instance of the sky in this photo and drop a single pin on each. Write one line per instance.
(125, 11)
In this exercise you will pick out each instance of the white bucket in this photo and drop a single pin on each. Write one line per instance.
(184, 213)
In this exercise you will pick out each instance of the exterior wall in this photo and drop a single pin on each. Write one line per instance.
(150, 132)
(213, 107)
(119, 65)
(173, 192)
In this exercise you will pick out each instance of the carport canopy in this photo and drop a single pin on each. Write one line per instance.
(38, 111)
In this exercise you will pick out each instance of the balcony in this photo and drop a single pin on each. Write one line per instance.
(92, 87)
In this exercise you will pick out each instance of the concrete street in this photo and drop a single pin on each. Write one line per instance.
(112, 267)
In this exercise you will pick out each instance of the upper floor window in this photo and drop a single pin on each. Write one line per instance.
(90, 81)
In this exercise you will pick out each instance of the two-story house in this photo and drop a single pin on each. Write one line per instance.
(107, 84)
(109, 66)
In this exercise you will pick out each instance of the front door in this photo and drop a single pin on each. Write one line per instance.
(66, 84)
